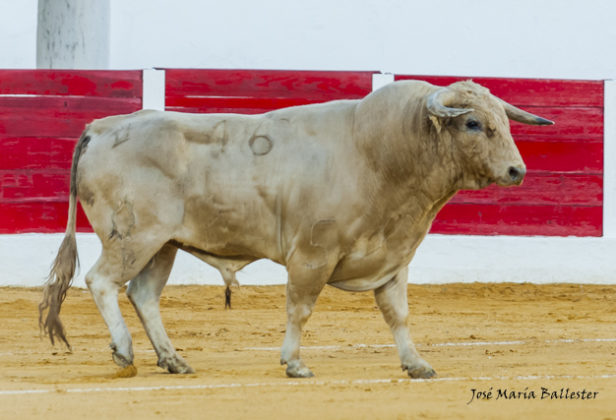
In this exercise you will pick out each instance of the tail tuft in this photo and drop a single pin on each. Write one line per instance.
(59, 281)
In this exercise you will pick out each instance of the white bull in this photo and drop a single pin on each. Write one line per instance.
(340, 193)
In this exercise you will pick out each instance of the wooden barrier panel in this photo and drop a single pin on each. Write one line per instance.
(257, 91)
(42, 114)
(562, 194)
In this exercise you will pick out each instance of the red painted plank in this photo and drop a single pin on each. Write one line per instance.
(42, 217)
(487, 219)
(36, 153)
(237, 105)
(18, 104)
(109, 83)
(316, 85)
(39, 185)
(541, 189)
(562, 156)
(258, 91)
(573, 124)
(59, 122)
(208, 110)
(536, 92)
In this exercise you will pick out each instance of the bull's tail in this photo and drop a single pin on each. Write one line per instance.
(63, 268)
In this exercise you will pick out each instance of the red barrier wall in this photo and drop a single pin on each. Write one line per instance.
(562, 194)
(42, 114)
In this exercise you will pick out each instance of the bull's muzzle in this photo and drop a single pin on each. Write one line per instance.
(515, 175)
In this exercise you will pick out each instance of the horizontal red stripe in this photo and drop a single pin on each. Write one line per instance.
(541, 189)
(316, 86)
(492, 219)
(573, 124)
(58, 122)
(208, 110)
(36, 153)
(39, 185)
(18, 104)
(530, 92)
(43, 217)
(211, 104)
(108, 83)
(562, 156)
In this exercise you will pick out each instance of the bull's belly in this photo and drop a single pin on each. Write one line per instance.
(367, 273)
(363, 284)
(373, 263)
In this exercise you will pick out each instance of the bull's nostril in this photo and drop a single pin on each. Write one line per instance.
(516, 174)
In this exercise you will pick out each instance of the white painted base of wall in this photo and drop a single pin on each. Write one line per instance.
(26, 259)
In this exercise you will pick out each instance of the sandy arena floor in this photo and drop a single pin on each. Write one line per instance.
(527, 341)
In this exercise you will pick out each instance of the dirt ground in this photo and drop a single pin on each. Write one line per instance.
(539, 344)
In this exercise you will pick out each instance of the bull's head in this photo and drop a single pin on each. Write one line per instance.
(478, 124)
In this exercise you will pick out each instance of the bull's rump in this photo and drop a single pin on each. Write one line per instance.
(227, 184)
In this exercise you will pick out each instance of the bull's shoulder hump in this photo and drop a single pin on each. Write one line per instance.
(340, 105)
(113, 122)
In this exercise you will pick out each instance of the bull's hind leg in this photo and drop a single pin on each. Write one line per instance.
(393, 303)
(144, 293)
(116, 265)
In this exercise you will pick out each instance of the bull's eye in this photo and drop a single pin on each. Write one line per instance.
(473, 125)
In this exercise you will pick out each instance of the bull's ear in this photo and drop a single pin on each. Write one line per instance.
(436, 104)
(516, 114)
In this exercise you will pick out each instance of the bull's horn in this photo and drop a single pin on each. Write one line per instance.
(516, 114)
(436, 104)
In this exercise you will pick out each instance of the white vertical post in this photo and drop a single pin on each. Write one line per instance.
(154, 89)
(609, 160)
(73, 34)
(381, 79)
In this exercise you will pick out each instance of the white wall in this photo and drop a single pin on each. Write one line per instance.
(26, 259)
(18, 34)
(524, 38)
(527, 38)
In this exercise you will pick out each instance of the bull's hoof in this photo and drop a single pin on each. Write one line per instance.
(121, 360)
(420, 370)
(175, 364)
(298, 370)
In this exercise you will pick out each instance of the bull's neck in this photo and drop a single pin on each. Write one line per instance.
(414, 165)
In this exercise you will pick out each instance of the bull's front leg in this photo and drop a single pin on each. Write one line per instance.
(307, 277)
(393, 303)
